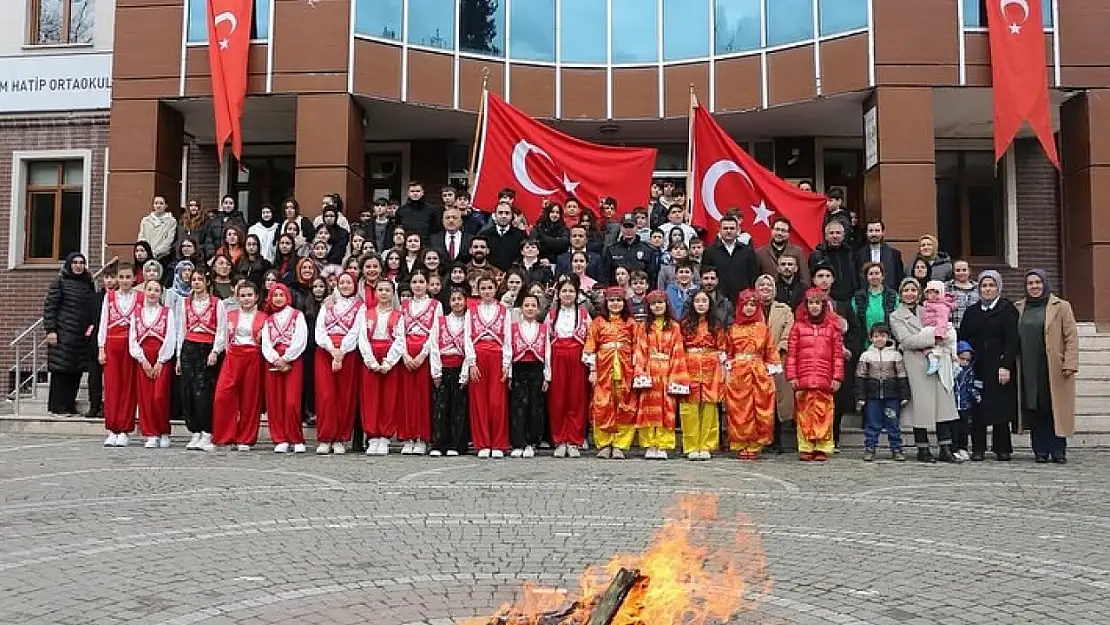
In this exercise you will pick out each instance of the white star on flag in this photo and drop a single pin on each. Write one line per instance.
(224, 43)
(1015, 29)
(762, 214)
(569, 185)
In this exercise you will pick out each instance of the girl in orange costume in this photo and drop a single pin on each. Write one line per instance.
(752, 358)
(660, 374)
(608, 354)
(815, 369)
(704, 339)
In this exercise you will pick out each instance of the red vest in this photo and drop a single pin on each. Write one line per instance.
(119, 320)
(372, 322)
(529, 350)
(449, 341)
(201, 327)
(581, 326)
(282, 336)
(256, 327)
(421, 323)
(340, 325)
(156, 330)
(481, 330)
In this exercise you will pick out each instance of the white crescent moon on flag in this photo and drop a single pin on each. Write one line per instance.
(713, 175)
(229, 17)
(1024, 4)
(520, 167)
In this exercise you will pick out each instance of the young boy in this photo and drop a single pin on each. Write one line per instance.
(681, 289)
(882, 389)
(637, 304)
(936, 312)
(108, 282)
(114, 356)
(968, 392)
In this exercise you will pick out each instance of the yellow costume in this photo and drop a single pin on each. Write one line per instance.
(660, 374)
(698, 410)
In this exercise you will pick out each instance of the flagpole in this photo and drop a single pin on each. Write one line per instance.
(690, 158)
(477, 132)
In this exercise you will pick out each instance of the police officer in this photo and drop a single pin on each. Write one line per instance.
(631, 252)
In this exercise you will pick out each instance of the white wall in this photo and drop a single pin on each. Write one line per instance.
(14, 29)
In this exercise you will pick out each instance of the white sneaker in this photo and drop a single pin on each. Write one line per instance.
(323, 449)
(618, 453)
(693, 455)
(497, 454)
(585, 445)
(383, 446)
(963, 455)
(164, 441)
(372, 448)
(111, 440)
(561, 451)
(660, 454)
(281, 448)
(407, 449)
(193, 443)
(451, 453)
(242, 447)
(420, 448)
(205, 443)
(435, 453)
(705, 455)
(299, 448)
(151, 442)
(516, 453)
(572, 452)
(338, 448)
(483, 453)
(122, 440)
(529, 452)
(650, 454)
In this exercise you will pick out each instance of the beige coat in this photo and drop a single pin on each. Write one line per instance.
(930, 403)
(1061, 342)
(780, 320)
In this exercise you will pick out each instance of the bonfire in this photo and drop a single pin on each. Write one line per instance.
(679, 579)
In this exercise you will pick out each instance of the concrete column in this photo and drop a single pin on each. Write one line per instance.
(330, 151)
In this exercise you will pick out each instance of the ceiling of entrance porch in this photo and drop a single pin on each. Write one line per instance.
(968, 113)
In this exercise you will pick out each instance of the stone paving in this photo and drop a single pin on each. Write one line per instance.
(95, 536)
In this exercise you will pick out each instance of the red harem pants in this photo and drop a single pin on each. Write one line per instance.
(237, 408)
(415, 422)
(335, 395)
(379, 398)
(568, 399)
(153, 395)
(283, 403)
(119, 386)
(489, 410)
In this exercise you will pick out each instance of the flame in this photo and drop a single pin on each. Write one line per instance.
(682, 580)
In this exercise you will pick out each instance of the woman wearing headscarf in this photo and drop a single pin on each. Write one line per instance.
(67, 316)
(940, 263)
(1047, 363)
(933, 403)
(780, 318)
(267, 231)
(991, 328)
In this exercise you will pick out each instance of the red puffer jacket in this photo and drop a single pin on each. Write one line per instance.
(815, 353)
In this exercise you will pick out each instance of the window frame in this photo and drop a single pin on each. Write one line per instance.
(34, 25)
(19, 226)
(1004, 199)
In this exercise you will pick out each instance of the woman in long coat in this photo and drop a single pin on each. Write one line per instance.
(932, 402)
(780, 318)
(1048, 362)
(67, 316)
(991, 327)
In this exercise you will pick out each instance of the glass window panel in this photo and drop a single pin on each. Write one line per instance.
(837, 16)
(736, 26)
(50, 22)
(197, 31)
(533, 28)
(983, 220)
(379, 18)
(74, 172)
(482, 26)
(947, 165)
(948, 217)
(671, 157)
(685, 29)
(69, 236)
(432, 23)
(979, 166)
(765, 153)
(40, 238)
(583, 31)
(789, 21)
(634, 31)
(975, 13)
(81, 21)
(42, 173)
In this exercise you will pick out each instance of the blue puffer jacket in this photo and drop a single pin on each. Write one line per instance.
(968, 388)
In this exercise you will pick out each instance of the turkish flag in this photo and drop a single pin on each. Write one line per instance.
(229, 40)
(1020, 78)
(726, 178)
(541, 163)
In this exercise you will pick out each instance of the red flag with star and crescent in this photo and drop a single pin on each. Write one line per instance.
(725, 178)
(541, 163)
(229, 39)
(1019, 74)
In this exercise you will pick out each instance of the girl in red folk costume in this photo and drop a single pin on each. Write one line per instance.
(381, 341)
(660, 376)
(200, 343)
(490, 352)
(752, 360)
(608, 353)
(336, 369)
(815, 369)
(421, 315)
(119, 367)
(568, 399)
(450, 418)
(152, 341)
(284, 339)
(529, 378)
(237, 408)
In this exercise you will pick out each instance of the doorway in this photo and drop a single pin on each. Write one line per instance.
(263, 180)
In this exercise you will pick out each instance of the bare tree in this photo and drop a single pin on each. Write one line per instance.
(52, 26)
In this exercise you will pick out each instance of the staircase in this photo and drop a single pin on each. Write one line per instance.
(1092, 402)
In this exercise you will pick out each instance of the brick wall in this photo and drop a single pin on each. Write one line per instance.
(21, 289)
(203, 178)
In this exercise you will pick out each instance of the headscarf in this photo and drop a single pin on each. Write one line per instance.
(1038, 301)
(270, 298)
(155, 264)
(271, 222)
(149, 254)
(749, 295)
(935, 285)
(67, 267)
(997, 277)
(936, 248)
(179, 284)
(902, 285)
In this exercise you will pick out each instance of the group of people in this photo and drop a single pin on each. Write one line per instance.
(448, 329)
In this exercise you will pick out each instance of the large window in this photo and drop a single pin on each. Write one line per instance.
(583, 31)
(432, 23)
(53, 204)
(482, 26)
(532, 35)
(789, 21)
(685, 29)
(970, 204)
(975, 12)
(634, 31)
(197, 31)
(380, 18)
(736, 25)
(56, 22)
(837, 16)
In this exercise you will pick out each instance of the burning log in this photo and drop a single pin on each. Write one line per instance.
(610, 601)
(602, 609)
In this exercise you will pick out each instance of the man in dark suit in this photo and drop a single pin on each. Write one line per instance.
(504, 239)
(736, 264)
(452, 244)
(879, 251)
(779, 246)
(578, 240)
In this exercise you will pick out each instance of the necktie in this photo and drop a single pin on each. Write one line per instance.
(451, 245)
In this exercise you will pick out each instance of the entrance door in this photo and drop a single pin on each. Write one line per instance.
(383, 176)
(844, 170)
(264, 180)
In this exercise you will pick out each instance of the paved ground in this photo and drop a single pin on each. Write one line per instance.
(95, 536)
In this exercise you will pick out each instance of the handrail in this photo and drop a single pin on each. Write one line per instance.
(33, 326)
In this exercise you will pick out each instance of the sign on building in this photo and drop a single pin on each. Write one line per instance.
(63, 82)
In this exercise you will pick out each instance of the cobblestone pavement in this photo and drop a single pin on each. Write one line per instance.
(168, 537)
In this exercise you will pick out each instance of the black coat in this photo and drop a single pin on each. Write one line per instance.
(420, 217)
(504, 249)
(843, 265)
(736, 271)
(438, 242)
(214, 231)
(891, 260)
(993, 334)
(634, 255)
(70, 311)
(553, 237)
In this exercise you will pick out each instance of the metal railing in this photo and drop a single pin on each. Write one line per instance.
(34, 336)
